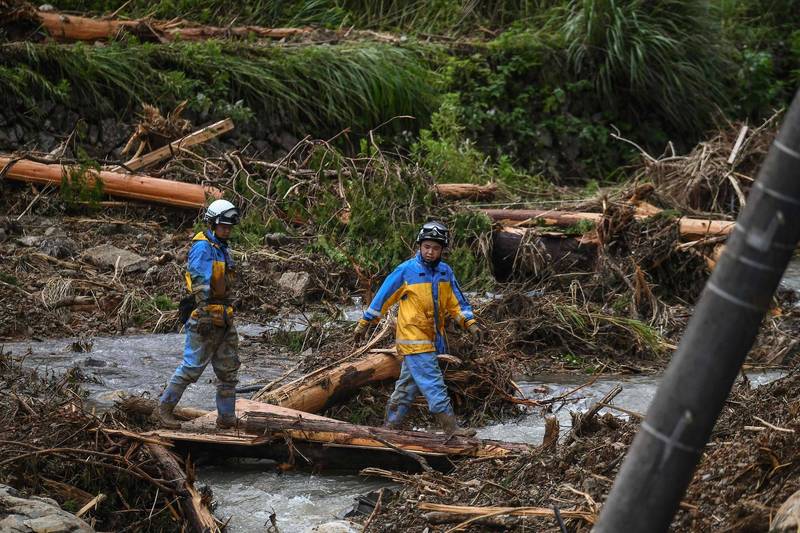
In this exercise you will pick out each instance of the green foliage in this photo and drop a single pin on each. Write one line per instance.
(412, 16)
(292, 340)
(520, 105)
(8, 278)
(162, 302)
(322, 87)
(661, 56)
(763, 34)
(443, 150)
(581, 227)
(78, 189)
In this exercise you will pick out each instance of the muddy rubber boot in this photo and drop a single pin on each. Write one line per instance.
(166, 417)
(450, 426)
(226, 422)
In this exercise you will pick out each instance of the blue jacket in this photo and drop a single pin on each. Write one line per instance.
(426, 295)
(210, 276)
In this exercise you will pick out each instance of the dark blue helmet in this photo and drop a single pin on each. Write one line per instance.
(434, 231)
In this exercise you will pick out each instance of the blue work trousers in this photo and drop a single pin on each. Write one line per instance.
(420, 373)
(219, 347)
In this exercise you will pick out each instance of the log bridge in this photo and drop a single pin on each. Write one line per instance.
(297, 438)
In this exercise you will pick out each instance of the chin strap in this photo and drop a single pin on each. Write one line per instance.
(432, 264)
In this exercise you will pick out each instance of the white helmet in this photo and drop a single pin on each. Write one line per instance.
(221, 212)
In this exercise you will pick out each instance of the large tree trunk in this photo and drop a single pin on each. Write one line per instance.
(290, 436)
(319, 390)
(145, 188)
(555, 251)
(689, 227)
(76, 28)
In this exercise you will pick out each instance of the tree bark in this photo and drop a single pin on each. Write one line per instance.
(335, 432)
(559, 251)
(689, 227)
(196, 512)
(319, 390)
(76, 28)
(466, 191)
(138, 187)
(198, 137)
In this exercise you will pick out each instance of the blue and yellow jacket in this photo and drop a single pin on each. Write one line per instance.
(426, 296)
(210, 276)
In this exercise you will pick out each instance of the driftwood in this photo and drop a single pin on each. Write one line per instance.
(466, 191)
(195, 510)
(343, 433)
(138, 187)
(146, 406)
(488, 512)
(319, 390)
(198, 137)
(76, 28)
(580, 420)
(689, 227)
(289, 436)
(281, 394)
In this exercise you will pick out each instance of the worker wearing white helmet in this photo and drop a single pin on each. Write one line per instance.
(208, 314)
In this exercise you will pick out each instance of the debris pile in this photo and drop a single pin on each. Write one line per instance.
(746, 474)
(54, 444)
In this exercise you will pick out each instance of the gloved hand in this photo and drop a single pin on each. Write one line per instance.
(361, 330)
(476, 332)
(205, 324)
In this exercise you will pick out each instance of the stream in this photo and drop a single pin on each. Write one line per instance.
(249, 491)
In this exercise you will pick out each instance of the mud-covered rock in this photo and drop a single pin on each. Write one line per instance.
(110, 257)
(296, 284)
(57, 246)
(36, 515)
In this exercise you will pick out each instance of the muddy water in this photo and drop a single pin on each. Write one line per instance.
(637, 393)
(250, 491)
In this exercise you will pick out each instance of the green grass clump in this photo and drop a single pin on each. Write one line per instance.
(449, 17)
(665, 56)
(324, 88)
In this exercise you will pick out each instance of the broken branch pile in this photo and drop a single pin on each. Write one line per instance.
(51, 446)
(717, 174)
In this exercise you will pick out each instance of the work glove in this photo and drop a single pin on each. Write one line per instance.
(476, 332)
(361, 331)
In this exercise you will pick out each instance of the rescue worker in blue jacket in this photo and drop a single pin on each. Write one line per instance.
(428, 292)
(210, 333)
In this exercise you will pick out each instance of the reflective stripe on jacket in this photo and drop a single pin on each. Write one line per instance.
(426, 295)
(209, 276)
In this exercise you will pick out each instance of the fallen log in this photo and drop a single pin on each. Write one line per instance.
(145, 407)
(487, 512)
(556, 251)
(318, 391)
(333, 432)
(138, 187)
(195, 509)
(318, 376)
(465, 191)
(76, 28)
(290, 436)
(198, 137)
(689, 227)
